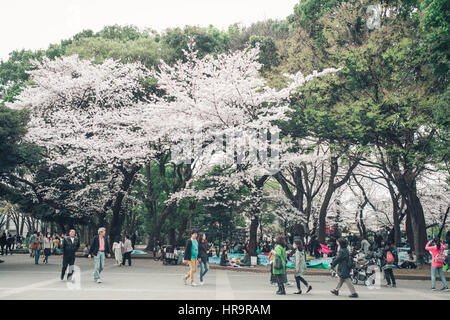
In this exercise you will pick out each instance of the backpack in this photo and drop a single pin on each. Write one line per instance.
(389, 257)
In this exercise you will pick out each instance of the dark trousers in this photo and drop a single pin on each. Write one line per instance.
(47, 253)
(68, 260)
(298, 279)
(280, 281)
(389, 273)
(4, 246)
(126, 255)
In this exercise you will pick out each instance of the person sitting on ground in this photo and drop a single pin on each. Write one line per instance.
(86, 251)
(410, 263)
(246, 261)
(224, 259)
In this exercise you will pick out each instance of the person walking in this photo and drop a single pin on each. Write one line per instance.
(133, 240)
(300, 266)
(436, 247)
(56, 244)
(273, 280)
(128, 249)
(39, 245)
(10, 243)
(3, 243)
(31, 245)
(203, 257)
(69, 247)
(190, 257)
(343, 261)
(117, 250)
(99, 248)
(48, 246)
(279, 263)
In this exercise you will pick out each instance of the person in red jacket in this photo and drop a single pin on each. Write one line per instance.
(436, 247)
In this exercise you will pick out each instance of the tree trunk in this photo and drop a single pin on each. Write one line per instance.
(323, 214)
(409, 231)
(253, 236)
(418, 225)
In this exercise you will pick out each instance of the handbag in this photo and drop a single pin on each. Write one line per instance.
(278, 264)
(34, 246)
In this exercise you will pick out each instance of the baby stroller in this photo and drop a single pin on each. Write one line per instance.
(169, 256)
(364, 269)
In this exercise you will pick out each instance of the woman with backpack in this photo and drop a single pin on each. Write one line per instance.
(344, 265)
(437, 262)
(300, 266)
(279, 263)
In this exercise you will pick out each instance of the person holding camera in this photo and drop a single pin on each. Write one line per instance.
(436, 247)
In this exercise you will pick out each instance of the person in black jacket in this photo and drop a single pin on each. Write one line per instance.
(190, 257)
(69, 247)
(343, 260)
(99, 248)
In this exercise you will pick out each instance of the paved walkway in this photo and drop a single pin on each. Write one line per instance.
(20, 278)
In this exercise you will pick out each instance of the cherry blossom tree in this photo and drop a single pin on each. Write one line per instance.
(90, 120)
(226, 109)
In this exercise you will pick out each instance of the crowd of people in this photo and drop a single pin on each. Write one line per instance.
(197, 251)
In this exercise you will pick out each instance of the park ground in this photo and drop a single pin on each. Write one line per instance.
(146, 279)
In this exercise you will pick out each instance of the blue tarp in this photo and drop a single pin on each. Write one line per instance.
(138, 252)
(263, 260)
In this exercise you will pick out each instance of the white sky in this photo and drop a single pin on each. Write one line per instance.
(34, 24)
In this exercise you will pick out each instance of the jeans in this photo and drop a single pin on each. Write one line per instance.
(441, 275)
(99, 260)
(37, 254)
(389, 273)
(298, 279)
(204, 268)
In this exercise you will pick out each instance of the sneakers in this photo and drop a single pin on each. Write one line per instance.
(298, 292)
(433, 289)
(194, 284)
(99, 281)
(445, 289)
(309, 289)
(202, 283)
(185, 281)
(355, 295)
(335, 292)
